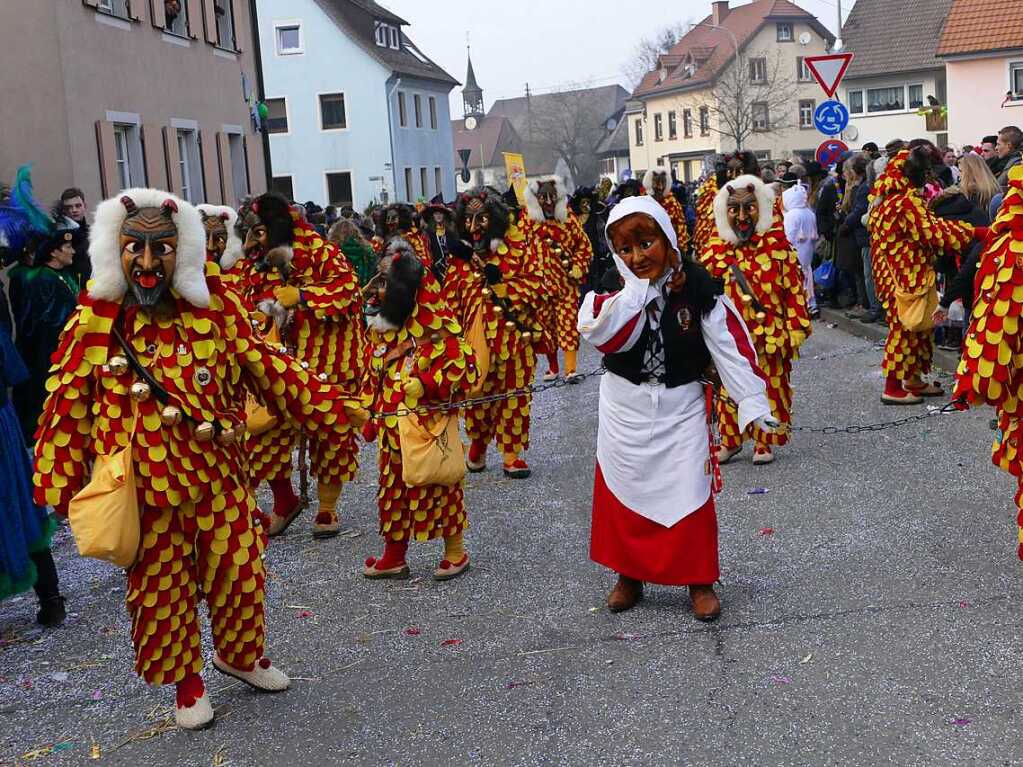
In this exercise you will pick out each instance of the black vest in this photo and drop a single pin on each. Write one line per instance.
(686, 357)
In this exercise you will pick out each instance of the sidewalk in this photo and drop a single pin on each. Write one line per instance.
(944, 360)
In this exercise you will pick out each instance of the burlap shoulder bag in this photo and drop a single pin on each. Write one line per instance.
(432, 452)
(916, 308)
(258, 418)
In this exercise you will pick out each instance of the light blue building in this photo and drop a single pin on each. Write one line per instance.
(357, 113)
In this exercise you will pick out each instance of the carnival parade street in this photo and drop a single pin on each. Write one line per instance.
(869, 582)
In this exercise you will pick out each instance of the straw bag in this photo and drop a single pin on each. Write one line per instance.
(431, 454)
(104, 515)
(258, 418)
(476, 337)
(916, 309)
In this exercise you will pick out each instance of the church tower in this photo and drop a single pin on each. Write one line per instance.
(472, 93)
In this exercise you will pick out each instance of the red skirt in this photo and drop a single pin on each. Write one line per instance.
(682, 555)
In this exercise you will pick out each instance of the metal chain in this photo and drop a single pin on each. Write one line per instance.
(951, 407)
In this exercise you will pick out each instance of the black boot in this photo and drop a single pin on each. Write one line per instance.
(51, 603)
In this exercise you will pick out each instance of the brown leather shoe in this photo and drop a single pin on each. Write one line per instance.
(706, 605)
(626, 594)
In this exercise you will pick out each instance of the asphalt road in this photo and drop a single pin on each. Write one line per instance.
(871, 617)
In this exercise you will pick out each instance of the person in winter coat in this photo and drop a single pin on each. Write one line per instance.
(801, 229)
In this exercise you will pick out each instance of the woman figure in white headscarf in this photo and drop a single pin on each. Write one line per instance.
(653, 505)
(801, 230)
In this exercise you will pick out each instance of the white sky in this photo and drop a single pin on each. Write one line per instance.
(550, 43)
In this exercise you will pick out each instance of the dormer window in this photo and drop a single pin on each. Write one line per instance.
(387, 36)
(785, 34)
(662, 75)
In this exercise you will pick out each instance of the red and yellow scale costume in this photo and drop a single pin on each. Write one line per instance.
(677, 215)
(425, 362)
(199, 539)
(512, 353)
(991, 369)
(905, 238)
(565, 253)
(705, 227)
(779, 328)
(327, 335)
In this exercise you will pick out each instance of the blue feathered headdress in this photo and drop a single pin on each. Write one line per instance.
(21, 216)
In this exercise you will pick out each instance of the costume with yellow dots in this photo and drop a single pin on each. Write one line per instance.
(319, 291)
(703, 230)
(420, 362)
(905, 239)
(991, 368)
(772, 303)
(198, 536)
(496, 297)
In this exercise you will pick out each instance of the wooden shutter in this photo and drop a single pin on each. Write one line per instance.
(194, 18)
(157, 10)
(170, 146)
(155, 157)
(135, 10)
(107, 153)
(212, 182)
(226, 168)
(250, 170)
(236, 21)
(210, 21)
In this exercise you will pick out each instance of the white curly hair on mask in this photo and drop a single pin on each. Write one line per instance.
(765, 200)
(108, 282)
(533, 201)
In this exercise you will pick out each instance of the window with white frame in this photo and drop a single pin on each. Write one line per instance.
(417, 106)
(224, 11)
(332, 111)
(704, 121)
(409, 191)
(639, 132)
(886, 99)
(758, 70)
(339, 188)
(785, 33)
(128, 156)
(803, 73)
(433, 112)
(177, 25)
(277, 115)
(855, 99)
(438, 181)
(658, 127)
(289, 38)
(402, 111)
(387, 35)
(806, 109)
(239, 165)
(117, 8)
(916, 96)
(687, 123)
(607, 166)
(423, 182)
(1016, 80)
(762, 155)
(761, 118)
(190, 165)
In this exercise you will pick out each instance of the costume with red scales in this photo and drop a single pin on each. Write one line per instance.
(496, 294)
(991, 368)
(312, 294)
(653, 509)
(762, 275)
(194, 339)
(416, 358)
(658, 185)
(556, 237)
(905, 239)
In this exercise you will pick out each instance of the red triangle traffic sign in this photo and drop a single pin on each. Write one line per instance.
(829, 70)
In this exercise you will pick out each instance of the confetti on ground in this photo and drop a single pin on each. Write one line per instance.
(767, 531)
(412, 631)
(961, 722)
(781, 680)
(97, 695)
(758, 491)
(305, 614)
(624, 636)
(60, 676)
(964, 604)
(450, 642)
(807, 659)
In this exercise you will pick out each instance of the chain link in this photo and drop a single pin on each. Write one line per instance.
(951, 407)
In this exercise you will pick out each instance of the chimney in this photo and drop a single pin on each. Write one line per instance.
(719, 10)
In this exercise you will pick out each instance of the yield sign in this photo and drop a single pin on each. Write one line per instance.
(829, 70)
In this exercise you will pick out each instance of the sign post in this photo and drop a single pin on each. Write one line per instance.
(831, 117)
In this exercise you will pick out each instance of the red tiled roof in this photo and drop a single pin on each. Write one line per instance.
(887, 43)
(713, 49)
(493, 135)
(982, 26)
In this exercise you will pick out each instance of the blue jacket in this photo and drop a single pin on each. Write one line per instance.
(854, 221)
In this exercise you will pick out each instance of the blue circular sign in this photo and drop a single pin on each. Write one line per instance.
(831, 117)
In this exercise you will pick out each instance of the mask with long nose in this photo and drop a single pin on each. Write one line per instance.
(216, 235)
(743, 211)
(149, 251)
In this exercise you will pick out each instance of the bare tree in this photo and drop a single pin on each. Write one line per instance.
(754, 94)
(645, 54)
(568, 125)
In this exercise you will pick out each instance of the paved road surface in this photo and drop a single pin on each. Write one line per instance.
(871, 617)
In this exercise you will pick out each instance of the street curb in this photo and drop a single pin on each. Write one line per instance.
(947, 361)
